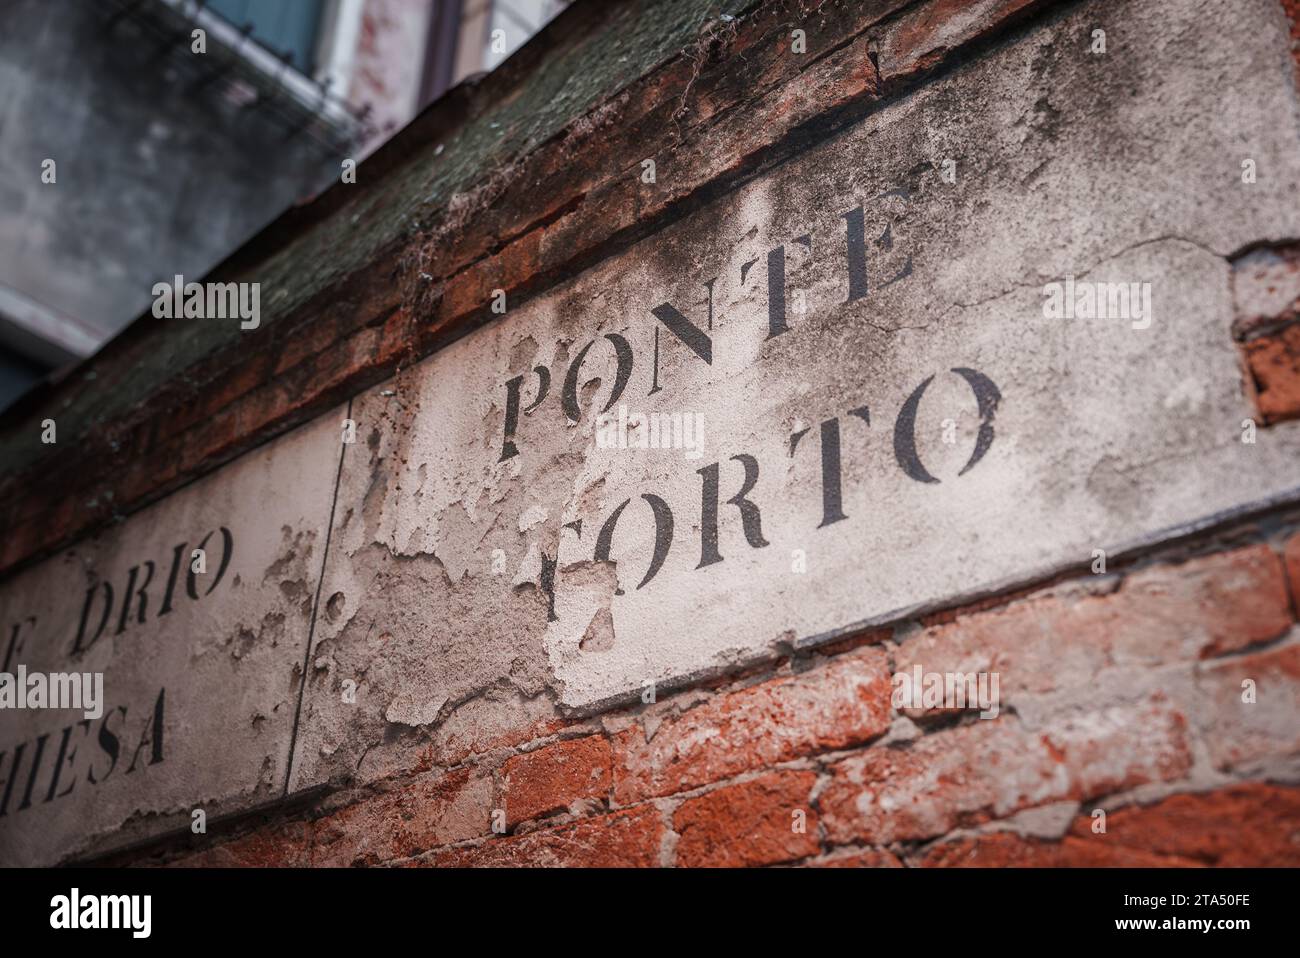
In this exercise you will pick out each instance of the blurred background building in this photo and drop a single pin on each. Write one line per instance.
(166, 157)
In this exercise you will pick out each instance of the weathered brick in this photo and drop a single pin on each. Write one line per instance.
(626, 839)
(412, 817)
(1274, 364)
(1265, 289)
(1238, 731)
(554, 777)
(990, 769)
(841, 703)
(213, 439)
(396, 338)
(926, 34)
(1291, 556)
(760, 822)
(468, 293)
(1255, 824)
(271, 401)
(1292, 8)
(1008, 850)
(483, 725)
(870, 858)
(1159, 616)
(287, 845)
(306, 342)
(239, 378)
(345, 361)
(520, 259)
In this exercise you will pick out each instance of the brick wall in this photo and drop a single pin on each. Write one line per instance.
(1122, 693)
(1150, 713)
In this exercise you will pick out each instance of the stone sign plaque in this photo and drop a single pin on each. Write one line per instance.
(977, 337)
(200, 656)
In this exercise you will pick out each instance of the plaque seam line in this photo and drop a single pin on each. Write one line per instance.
(315, 606)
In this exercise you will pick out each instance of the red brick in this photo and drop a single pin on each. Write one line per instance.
(411, 818)
(468, 293)
(1249, 825)
(682, 168)
(270, 402)
(479, 727)
(1007, 850)
(397, 338)
(343, 362)
(211, 440)
(1253, 824)
(1159, 616)
(924, 36)
(554, 777)
(519, 259)
(138, 478)
(237, 378)
(306, 341)
(62, 519)
(1291, 554)
(990, 769)
(677, 102)
(624, 839)
(179, 415)
(1265, 289)
(1292, 8)
(751, 823)
(280, 846)
(1239, 732)
(841, 703)
(1274, 364)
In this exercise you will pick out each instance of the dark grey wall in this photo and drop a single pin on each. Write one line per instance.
(154, 177)
(17, 375)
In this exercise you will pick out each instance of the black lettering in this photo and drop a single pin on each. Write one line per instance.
(663, 536)
(750, 519)
(227, 550)
(832, 496)
(622, 372)
(65, 757)
(131, 591)
(109, 743)
(13, 776)
(855, 225)
(77, 646)
(152, 735)
(986, 396)
(697, 340)
(36, 766)
(16, 643)
(776, 292)
(905, 436)
(177, 555)
(514, 390)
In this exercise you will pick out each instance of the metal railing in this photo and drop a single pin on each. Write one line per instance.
(238, 72)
